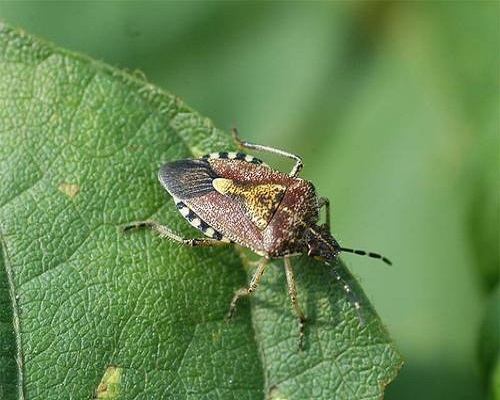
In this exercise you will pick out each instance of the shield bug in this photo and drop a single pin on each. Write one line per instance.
(233, 197)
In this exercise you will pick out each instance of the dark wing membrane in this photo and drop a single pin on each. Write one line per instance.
(186, 179)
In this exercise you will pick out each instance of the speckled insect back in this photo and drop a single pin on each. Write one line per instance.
(233, 197)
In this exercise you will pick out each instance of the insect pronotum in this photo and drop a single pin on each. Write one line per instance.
(233, 197)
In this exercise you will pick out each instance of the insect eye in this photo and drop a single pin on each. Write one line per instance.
(320, 243)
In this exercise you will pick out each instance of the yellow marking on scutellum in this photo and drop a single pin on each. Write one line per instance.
(260, 201)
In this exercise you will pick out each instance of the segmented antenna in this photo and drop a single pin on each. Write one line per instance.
(367, 253)
(351, 295)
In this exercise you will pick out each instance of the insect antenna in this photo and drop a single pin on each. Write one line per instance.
(351, 295)
(367, 253)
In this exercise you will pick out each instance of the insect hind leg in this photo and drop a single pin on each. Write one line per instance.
(166, 233)
(260, 147)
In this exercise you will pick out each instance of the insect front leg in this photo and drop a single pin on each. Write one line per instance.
(323, 201)
(166, 233)
(260, 147)
(251, 288)
(292, 292)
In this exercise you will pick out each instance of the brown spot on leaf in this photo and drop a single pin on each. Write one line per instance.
(69, 189)
(109, 387)
(275, 394)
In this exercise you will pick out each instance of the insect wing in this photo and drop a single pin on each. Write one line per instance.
(185, 179)
(190, 183)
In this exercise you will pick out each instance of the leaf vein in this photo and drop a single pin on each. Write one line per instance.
(15, 316)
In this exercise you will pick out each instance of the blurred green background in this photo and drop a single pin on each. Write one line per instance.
(394, 108)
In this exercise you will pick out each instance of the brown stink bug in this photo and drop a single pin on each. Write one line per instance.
(236, 198)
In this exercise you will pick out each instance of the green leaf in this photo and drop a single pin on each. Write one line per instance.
(489, 345)
(87, 307)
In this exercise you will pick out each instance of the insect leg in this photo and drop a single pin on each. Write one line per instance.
(292, 292)
(251, 288)
(323, 201)
(260, 147)
(166, 233)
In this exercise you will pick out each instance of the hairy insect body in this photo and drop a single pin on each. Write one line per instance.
(236, 198)
(285, 235)
(253, 205)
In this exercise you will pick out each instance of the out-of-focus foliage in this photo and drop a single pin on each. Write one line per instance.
(394, 108)
(79, 149)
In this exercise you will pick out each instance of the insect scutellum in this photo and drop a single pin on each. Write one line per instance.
(233, 197)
